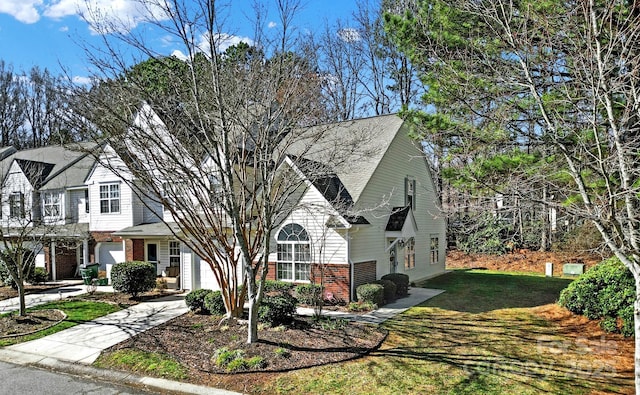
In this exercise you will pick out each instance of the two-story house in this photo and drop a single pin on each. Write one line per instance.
(45, 204)
(374, 215)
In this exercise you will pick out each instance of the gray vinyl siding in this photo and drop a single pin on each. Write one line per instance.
(385, 190)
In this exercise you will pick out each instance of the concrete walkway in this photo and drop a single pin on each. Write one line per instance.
(83, 343)
(416, 296)
(73, 350)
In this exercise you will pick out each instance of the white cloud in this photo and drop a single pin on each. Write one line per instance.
(81, 80)
(349, 35)
(64, 29)
(272, 24)
(225, 41)
(180, 55)
(25, 11)
(105, 16)
(222, 41)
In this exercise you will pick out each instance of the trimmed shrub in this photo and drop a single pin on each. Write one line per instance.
(627, 321)
(606, 291)
(133, 277)
(401, 281)
(390, 290)
(195, 300)
(361, 306)
(370, 293)
(5, 277)
(308, 293)
(38, 275)
(277, 309)
(271, 286)
(214, 303)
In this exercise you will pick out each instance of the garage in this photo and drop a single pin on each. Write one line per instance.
(109, 254)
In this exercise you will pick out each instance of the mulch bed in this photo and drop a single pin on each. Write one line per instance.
(13, 325)
(520, 261)
(193, 339)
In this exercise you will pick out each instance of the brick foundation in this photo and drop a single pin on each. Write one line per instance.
(336, 278)
(364, 273)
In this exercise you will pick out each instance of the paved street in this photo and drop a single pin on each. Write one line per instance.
(20, 380)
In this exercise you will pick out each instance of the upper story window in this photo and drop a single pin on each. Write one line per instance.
(52, 204)
(215, 187)
(410, 193)
(16, 205)
(110, 198)
(294, 254)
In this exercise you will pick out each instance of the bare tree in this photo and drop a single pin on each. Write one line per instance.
(212, 145)
(12, 105)
(44, 109)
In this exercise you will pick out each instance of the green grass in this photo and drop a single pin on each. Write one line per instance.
(77, 312)
(479, 291)
(141, 362)
(479, 337)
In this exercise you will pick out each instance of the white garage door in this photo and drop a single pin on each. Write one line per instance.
(108, 255)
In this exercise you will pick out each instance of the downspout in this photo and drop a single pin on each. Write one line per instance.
(52, 251)
(351, 268)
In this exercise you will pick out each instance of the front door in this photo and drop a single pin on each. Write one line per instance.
(393, 257)
(152, 254)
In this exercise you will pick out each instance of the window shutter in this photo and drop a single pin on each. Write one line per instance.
(413, 198)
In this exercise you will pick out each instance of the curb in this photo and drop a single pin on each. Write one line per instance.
(164, 386)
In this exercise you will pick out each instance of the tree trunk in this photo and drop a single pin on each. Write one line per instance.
(544, 239)
(252, 331)
(23, 305)
(636, 325)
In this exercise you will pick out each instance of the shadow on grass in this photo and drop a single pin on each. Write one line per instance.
(485, 350)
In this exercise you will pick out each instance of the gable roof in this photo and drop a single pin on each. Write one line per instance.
(52, 166)
(353, 149)
(36, 172)
(334, 191)
(397, 218)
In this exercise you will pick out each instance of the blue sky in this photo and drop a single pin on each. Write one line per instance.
(46, 33)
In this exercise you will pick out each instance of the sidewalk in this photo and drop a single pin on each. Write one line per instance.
(73, 350)
(416, 296)
(68, 289)
(83, 343)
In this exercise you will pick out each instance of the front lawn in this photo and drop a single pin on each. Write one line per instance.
(490, 333)
(77, 311)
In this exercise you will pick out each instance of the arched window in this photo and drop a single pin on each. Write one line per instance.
(294, 254)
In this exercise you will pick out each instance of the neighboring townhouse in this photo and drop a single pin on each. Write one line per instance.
(44, 199)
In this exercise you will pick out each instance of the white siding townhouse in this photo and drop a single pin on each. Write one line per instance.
(377, 215)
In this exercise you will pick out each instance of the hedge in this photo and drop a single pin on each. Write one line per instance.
(402, 283)
(133, 277)
(606, 292)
